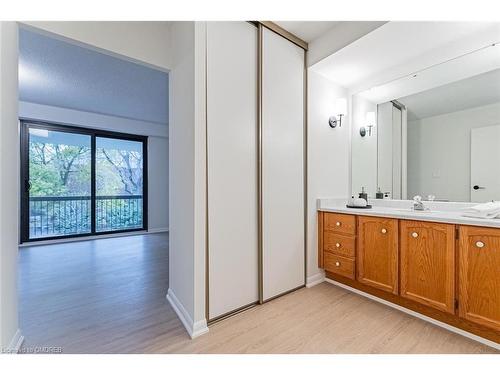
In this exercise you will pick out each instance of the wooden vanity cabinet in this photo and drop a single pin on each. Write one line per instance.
(445, 271)
(338, 244)
(377, 253)
(479, 275)
(427, 274)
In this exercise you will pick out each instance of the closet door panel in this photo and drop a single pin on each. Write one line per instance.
(232, 78)
(282, 165)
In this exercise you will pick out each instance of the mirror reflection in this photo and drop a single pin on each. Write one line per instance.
(434, 133)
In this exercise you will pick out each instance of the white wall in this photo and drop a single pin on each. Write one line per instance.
(157, 148)
(9, 184)
(158, 183)
(148, 42)
(328, 157)
(364, 149)
(339, 37)
(95, 120)
(439, 152)
(187, 175)
(384, 139)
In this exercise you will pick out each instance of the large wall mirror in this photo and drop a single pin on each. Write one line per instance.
(435, 132)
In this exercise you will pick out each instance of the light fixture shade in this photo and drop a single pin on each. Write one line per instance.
(370, 118)
(341, 106)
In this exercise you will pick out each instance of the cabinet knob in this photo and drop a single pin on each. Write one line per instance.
(384, 231)
(479, 244)
(414, 234)
(337, 264)
(337, 245)
(338, 223)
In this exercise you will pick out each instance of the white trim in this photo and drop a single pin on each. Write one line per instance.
(315, 279)
(157, 230)
(418, 315)
(194, 329)
(15, 343)
(85, 238)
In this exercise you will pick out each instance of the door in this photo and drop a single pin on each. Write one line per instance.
(378, 253)
(484, 162)
(79, 182)
(232, 167)
(428, 263)
(283, 156)
(57, 183)
(119, 197)
(479, 276)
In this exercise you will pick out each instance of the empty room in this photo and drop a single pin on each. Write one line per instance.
(196, 184)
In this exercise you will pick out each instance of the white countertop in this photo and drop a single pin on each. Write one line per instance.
(441, 212)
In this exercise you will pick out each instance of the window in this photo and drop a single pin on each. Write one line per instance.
(78, 182)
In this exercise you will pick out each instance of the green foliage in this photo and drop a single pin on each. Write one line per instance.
(60, 170)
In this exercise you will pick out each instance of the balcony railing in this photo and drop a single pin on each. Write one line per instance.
(61, 216)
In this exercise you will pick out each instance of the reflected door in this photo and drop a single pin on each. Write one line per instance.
(484, 160)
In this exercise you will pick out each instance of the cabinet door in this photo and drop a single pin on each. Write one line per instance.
(428, 263)
(378, 253)
(479, 276)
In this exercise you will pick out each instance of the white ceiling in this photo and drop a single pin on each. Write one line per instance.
(460, 68)
(307, 30)
(396, 49)
(476, 91)
(57, 73)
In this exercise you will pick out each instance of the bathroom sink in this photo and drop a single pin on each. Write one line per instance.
(412, 210)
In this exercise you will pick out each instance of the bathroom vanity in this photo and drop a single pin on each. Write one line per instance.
(436, 262)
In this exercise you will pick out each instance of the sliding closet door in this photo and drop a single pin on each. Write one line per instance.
(282, 165)
(232, 166)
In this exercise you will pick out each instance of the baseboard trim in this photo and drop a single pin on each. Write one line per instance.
(315, 279)
(157, 230)
(15, 343)
(417, 315)
(84, 238)
(194, 329)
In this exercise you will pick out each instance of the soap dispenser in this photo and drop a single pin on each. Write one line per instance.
(363, 194)
(379, 194)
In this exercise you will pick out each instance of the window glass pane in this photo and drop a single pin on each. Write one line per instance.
(119, 184)
(59, 183)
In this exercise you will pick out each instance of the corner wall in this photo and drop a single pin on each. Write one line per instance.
(327, 161)
(187, 176)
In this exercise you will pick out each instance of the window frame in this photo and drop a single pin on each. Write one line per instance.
(25, 125)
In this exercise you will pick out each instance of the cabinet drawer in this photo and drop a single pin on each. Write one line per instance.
(339, 265)
(340, 223)
(339, 244)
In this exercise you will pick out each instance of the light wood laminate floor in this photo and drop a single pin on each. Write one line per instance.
(108, 296)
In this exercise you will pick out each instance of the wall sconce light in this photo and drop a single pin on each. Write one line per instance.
(341, 106)
(370, 123)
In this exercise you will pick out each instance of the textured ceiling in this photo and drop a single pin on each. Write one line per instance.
(58, 73)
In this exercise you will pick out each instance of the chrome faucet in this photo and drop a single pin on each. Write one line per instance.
(418, 205)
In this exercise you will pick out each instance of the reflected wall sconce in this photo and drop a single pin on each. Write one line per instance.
(370, 123)
(341, 106)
